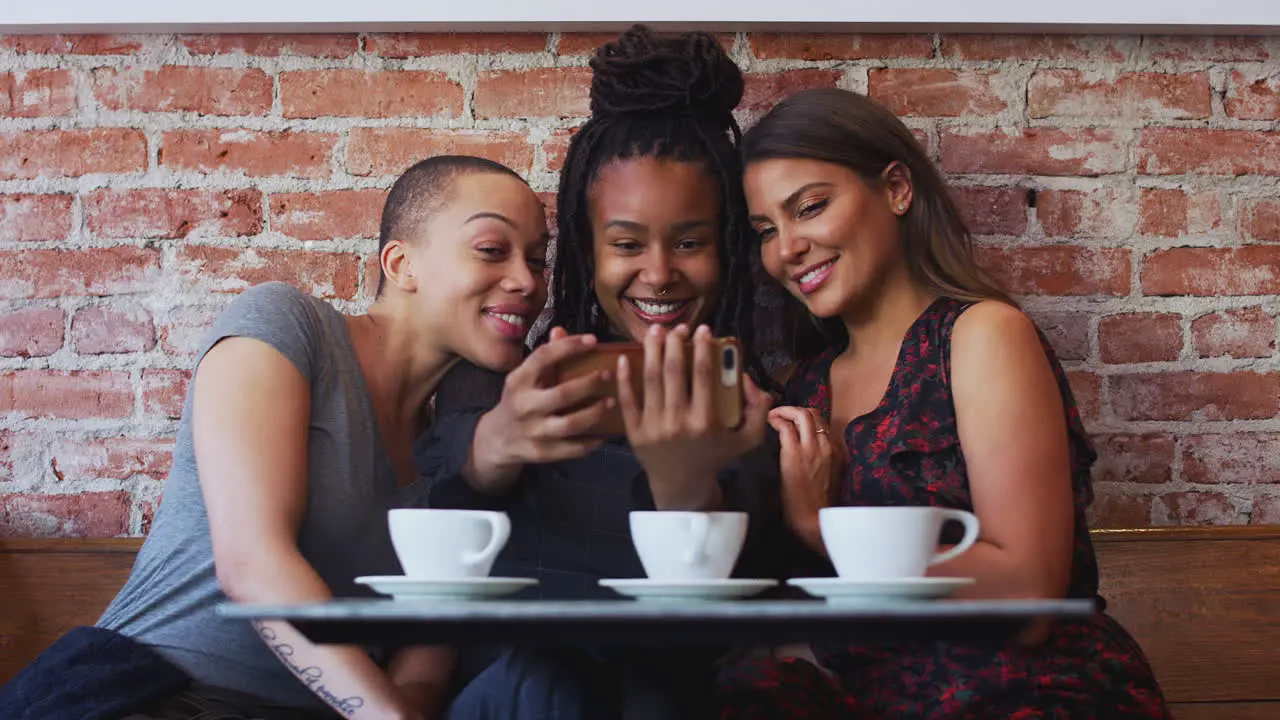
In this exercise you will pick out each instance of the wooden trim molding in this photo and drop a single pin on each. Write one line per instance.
(64, 545)
(1199, 533)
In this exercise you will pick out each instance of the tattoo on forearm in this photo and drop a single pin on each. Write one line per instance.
(310, 675)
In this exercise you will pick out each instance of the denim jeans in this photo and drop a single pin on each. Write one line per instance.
(202, 702)
(535, 685)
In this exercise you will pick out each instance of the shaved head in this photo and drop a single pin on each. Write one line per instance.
(423, 190)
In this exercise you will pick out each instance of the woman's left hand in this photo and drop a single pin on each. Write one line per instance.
(811, 462)
(676, 435)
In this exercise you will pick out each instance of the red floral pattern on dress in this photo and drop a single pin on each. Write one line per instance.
(775, 688)
(907, 452)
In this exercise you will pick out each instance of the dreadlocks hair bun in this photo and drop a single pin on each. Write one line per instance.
(671, 98)
(644, 73)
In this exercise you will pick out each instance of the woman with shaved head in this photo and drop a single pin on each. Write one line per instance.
(296, 438)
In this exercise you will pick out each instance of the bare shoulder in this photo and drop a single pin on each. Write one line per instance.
(992, 320)
(994, 337)
(992, 326)
(996, 348)
(239, 362)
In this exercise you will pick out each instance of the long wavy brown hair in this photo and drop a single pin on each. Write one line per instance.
(842, 127)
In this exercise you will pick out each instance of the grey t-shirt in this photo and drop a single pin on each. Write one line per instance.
(169, 600)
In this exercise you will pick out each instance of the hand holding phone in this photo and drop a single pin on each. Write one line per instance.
(726, 390)
(539, 418)
(680, 433)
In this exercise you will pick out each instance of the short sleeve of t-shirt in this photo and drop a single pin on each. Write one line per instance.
(275, 313)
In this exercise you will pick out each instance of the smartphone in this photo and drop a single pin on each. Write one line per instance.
(604, 356)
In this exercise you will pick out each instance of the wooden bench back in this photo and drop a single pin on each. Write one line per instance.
(1203, 602)
(48, 587)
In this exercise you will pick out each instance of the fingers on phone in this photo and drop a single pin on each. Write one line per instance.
(580, 422)
(556, 351)
(653, 357)
(576, 391)
(627, 402)
(674, 381)
(539, 369)
(705, 375)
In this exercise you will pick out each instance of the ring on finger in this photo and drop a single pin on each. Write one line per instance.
(821, 431)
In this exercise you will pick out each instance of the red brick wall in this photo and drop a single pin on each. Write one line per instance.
(143, 179)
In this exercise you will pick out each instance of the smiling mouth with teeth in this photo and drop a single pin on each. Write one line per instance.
(517, 320)
(814, 273)
(512, 326)
(659, 310)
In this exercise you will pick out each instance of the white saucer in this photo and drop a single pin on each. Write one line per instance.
(685, 590)
(848, 591)
(407, 588)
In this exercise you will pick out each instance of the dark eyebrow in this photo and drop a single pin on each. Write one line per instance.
(794, 197)
(491, 216)
(685, 226)
(680, 227)
(627, 225)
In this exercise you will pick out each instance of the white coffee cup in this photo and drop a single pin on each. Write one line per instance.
(679, 546)
(890, 543)
(447, 544)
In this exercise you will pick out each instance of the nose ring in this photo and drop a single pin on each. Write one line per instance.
(660, 292)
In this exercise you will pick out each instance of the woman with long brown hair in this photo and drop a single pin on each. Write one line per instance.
(944, 393)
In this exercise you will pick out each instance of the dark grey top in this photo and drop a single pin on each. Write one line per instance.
(170, 598)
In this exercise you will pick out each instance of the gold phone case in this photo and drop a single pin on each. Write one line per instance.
(728, 396)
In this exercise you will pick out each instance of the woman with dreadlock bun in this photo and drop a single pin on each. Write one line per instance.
(654, 247)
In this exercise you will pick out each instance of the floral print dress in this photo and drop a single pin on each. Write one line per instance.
(907, 452)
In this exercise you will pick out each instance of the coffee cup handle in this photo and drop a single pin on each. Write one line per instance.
(500, 531)
(699, 529)
(970, 522)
